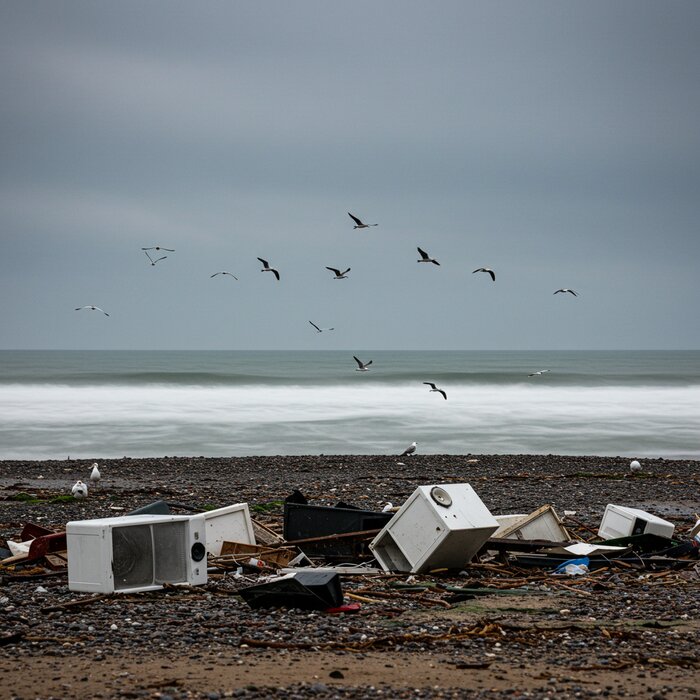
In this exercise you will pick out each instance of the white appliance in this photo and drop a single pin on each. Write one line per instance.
(228, 524)
(620, 521)
(136, 552)
(541, 524)
(437, 526)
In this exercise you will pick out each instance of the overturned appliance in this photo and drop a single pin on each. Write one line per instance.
(621, 521)
(136, 552)
(306, 590)
(541, 524)
(437, 527)
(336, 533)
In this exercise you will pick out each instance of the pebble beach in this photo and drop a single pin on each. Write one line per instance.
(619, 632)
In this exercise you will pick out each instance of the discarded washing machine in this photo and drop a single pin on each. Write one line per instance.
(441, 526)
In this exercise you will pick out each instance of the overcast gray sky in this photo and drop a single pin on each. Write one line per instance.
(555, 142)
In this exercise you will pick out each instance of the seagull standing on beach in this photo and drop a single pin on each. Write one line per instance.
(223, 273)
(570, 291)
(486, 269)
(424, 257)
(92, 308)
(362, 366)
(358, 223)
(320, 330)
(535, 374)
(95, 475)
(635, 466)
(153, 262)
(338, 274)
(434, 388)
(410, 450)
(267, 268)
(79, 490)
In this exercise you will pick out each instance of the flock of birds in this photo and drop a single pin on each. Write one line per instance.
(338, 274)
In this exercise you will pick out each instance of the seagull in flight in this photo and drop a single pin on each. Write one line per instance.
(267, 268)
(92, 308)
(410, 450)
(535, 374)
(223, 273)
(159, 248)
(486, 269)
(434, 388)
(570, 291)
(153, 262)
(362, 366)
(338, 274)
(358, 223)
(320, 330)
(424, 257)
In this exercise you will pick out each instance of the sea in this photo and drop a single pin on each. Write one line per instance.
(113, 404)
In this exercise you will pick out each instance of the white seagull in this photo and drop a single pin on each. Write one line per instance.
(338, 274)
(424, 257)
(570, 291)
(267, 268)
(635, 466)
(79, 490)
(95, 475)
(159, 248)
(223, 273)
(410, 450)
(92, 308)
(320, 330)
(153, 262)
(362, 366)
(486, 269)
(434, 388)
(358, 223)
(542, 371)
(388, 507)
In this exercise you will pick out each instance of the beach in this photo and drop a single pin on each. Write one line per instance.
(617, 633)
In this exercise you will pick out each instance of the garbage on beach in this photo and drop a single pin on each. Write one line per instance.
(621, 521)
(306, 590)
(440, 526)
(574, 567)
(541, 524)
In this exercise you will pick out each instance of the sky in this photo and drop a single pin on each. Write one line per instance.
(555, 142)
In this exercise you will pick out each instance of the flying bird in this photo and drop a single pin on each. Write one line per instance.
(223, 273)
(157, 247)
(267, 268)
(92, 308)
(362, 366)
(320, 330)
(410, 450)
(434, 388)
(79, 490)
(338, 274)
(95, 475)
(570, 291)
(358, 223)
(424, 257)
(542, 371)
(153, 262)
(486, 269)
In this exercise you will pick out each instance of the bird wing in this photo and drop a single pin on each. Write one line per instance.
(332, 269)
(571, 291)
(315, 326)
(367, 364)
(264, 262)
(276, 274)
(355, 219)
(147, 255)
(493, 274)
(170, 250)
(444, 393)
(346, 272)
(159, 259)
(423, 254)
(430, 384)
(215, 274)
(358, 362)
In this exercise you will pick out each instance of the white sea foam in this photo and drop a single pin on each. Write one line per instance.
(52, 421)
